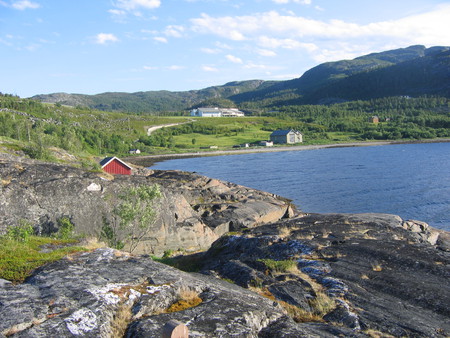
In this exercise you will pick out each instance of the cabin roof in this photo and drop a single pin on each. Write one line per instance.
(108, 160)
(283, 132)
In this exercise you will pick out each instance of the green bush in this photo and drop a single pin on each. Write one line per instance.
(132, 218)
(279, 266)
(21, 232)
(38, 152)
(66, 228)
(18, 259)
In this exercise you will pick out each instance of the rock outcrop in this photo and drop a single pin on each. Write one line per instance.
(387, 276)
(193, 212)
(278, 274)
(107, 293)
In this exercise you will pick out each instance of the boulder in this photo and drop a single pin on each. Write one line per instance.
(96, 293)
(385, 280)
(188, 216)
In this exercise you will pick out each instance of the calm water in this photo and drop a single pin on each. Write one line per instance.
(411, 180)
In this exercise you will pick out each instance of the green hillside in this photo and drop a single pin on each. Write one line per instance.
(151, 101)
(413, 71)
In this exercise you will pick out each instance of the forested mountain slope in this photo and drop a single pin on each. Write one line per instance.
(412, 71)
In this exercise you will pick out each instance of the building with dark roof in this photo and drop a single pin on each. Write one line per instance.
(115, 166)
(288, 136)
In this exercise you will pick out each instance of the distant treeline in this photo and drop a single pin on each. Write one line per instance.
(399, 117)
(38, 126)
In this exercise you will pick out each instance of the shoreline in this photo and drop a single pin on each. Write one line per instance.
(150, 160)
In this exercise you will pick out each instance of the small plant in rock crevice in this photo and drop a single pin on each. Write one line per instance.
(66, 228)
(21, 232)
(187, 298)
(280, 266)
(132, 218)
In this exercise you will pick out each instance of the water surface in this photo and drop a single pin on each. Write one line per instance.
(410, 180)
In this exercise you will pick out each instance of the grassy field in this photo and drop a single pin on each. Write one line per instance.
(19, 258)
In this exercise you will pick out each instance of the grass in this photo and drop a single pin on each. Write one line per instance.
(187, 299)
(320, 306)
(121, 320)
(377, 267)
(19, 259)
(249, 135)
(188, 262)
(280, 266)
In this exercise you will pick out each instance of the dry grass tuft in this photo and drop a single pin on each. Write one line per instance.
(377, 334)
(280, 266)
(284, 232)
(298, 314)
(322, 304)
(377, 267)
(187, 298)
(92, 244)
(121, 320)
(106, 176)
(6, 181)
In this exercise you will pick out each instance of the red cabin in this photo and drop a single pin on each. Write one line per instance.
(115, 166)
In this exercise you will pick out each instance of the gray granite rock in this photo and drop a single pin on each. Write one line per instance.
(386, 279)
(82, 296)
(193, 212)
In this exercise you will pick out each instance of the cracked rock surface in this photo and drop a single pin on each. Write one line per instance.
(194, 211)
(384, 274)
(82, 295)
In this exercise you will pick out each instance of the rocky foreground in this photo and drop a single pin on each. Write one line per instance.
(280, 273)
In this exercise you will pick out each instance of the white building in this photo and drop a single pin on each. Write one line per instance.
(217, 112)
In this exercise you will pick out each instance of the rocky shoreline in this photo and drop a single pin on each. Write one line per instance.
(149, 160)
(278, 273)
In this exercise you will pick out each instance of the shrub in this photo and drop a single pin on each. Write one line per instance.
(132, 218)
(187, 298)
(66, 228)
(280, 266)
(21, 232)
(19, 258)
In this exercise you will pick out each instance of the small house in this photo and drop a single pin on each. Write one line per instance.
(217, 112)
(288, 136)
(115, 166)
(134, 151)
(266, 143)
(374, 119)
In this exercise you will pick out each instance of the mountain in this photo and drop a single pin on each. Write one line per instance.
(411, 71)
(153, 101)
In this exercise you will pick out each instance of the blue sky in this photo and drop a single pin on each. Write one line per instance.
(96, 46)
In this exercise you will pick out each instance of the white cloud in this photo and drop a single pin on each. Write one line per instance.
(233, 58)
(21, 5)
(302, 2)
(131, 5)
(226, 27)
(272, 30)
(243, 27)
(275, 43)
(104, 38)
(209, 69)
(174, 31)
(252, 65)
(210, 50)
(175, 67)
(117, 12)
(150, 68)
(266, 52)
(223, 45)
(161, 39)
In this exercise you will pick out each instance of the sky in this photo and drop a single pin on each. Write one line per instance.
(97, 46)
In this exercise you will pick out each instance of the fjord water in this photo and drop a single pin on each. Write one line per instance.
(409, 180)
